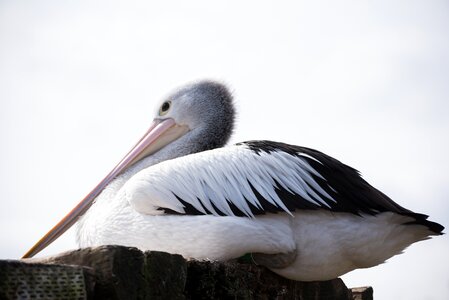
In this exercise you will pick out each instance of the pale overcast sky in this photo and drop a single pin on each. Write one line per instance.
(365, 82)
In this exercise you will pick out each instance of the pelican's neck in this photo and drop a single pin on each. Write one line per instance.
(192, 142)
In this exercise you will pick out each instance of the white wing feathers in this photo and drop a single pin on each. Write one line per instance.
(213, 181)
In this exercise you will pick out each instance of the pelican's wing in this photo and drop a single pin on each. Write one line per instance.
(253, 178)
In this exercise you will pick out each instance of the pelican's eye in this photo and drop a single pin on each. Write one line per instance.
(165, 108)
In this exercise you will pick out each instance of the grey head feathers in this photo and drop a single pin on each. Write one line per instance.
(208, 107)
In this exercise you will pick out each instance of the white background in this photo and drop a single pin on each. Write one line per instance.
(367, 83)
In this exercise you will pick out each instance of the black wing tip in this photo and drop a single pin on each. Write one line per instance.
(421, 219)
(435, 227)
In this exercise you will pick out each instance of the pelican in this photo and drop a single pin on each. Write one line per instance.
(299, 212)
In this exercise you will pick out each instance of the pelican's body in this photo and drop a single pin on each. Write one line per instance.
(140, 209)
(299, 212)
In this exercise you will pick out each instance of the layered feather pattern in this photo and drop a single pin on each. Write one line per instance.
(257, 177)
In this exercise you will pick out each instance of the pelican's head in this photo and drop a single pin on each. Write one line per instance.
(199, 115)
(204, 108)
